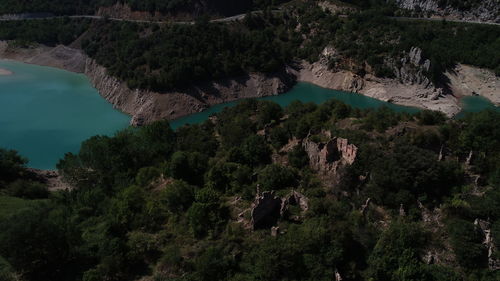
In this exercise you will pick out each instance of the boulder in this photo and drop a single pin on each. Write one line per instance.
(411, 68)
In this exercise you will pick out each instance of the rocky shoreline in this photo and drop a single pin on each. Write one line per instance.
(409, 87)
(147, 106)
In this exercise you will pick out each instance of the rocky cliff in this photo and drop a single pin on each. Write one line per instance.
(410, 88)
(146, 106)
(484, 10)
(411, 68)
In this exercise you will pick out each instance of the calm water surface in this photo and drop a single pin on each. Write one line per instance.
(46, 112)
(475, 104)
(304, 92)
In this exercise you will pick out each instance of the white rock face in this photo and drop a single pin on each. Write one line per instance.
(425, 5)
(485, 11)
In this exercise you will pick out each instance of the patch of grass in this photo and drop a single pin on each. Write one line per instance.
(9, 205)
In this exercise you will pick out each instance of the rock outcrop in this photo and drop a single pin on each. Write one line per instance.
(412, 89)
(488, 242)
(147, 106)
(412, 68)
(52, 179)
(329, 156)
(466, 80)
(485, 10)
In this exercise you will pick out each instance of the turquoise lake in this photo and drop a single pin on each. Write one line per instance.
(304, 92)
(46, 112)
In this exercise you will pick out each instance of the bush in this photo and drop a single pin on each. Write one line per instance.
(28, 189)
(276, 177)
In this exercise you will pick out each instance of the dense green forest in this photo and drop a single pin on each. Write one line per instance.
(175, 56)
(175, 205)
(180, 55)
(88, 7)
(172, 56)
(48, 32)
(371, 37)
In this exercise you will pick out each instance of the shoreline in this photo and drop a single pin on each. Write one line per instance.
(5, 72)
(146, 106)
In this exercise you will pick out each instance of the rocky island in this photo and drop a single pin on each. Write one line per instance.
(5, 72)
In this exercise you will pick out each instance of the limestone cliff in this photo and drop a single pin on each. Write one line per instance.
(485, 10)
(410, 88)
(147, 106)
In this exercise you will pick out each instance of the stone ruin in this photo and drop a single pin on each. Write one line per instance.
(268, 209)
(328, 157)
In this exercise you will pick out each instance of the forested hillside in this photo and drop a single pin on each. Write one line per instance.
(395, 197)
(165, 57)
(88, 7)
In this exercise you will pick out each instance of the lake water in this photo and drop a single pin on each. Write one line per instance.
(475, 104)
(304, 92)
(46, 112)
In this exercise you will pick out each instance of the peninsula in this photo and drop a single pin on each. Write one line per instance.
(5, 72)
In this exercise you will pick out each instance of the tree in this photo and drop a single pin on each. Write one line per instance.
(255, 151)
(178, 196)
(11, 166)
(297, 157)
(205, 214)
(466, 240)
(36, 243)
(396, 254)
(188, 166)
(276, 177)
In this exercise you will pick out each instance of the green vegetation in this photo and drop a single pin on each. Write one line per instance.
(10, 205)
(48, 32)
(266, 43)
(167, 57)
(180, 55)
(175, 205)
(87, 7)
(16, 180)
(162, 203)
(372, 37)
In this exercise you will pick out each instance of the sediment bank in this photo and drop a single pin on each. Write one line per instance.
(147, 106)
(5, 72)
